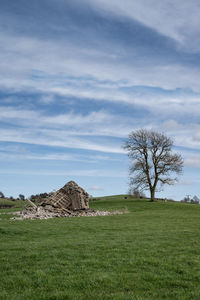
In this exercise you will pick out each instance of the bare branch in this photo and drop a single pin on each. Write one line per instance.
(152, 160)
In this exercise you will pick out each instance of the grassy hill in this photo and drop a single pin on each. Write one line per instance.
(152, 252)
(7, 203)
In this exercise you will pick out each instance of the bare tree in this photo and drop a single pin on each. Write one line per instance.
(152, 160)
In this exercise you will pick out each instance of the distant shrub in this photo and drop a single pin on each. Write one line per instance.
(6, 205)
(194, 200)
(39, 197)
(135, 193)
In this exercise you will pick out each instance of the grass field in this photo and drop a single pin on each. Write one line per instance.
(152, 252)
(11, 203)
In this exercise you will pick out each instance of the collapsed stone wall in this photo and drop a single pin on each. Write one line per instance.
(69, 201)
(71, 197)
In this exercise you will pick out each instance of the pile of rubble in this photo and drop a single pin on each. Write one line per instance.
(41, 213)
(70, 197)
(69, 201)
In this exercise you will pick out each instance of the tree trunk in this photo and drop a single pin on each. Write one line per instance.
(152, 194)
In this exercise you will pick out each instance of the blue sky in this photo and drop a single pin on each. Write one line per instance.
(78, 76)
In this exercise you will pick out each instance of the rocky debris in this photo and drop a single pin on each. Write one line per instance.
(42, 213)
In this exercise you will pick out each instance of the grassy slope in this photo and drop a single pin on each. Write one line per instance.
(150, 253)
(16, 203)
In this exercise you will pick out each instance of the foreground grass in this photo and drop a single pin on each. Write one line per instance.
(150, 253)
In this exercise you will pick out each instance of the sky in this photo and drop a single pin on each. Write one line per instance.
(78, 76)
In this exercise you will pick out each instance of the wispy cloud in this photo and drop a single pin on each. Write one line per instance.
(76, 130)
(181, 17)
(77, 77)
(79, 173)
(96, 188)
(193, 161)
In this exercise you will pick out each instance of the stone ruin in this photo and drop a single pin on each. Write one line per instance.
(69, 201)
(70, 197)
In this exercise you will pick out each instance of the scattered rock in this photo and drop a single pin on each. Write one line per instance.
(41, 213)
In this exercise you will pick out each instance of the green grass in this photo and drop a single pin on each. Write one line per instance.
(152, 252)
(8, 202)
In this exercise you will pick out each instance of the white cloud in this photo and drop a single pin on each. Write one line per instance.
(77, 130)
(88, 173)
(171, 125)
(56, 139)
(20, 153)
(176, 19)
(184, 183)
(96, 188)
(192, 161)
(70, 124)
(67, 59)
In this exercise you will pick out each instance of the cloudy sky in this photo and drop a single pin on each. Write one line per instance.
(77, 76)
